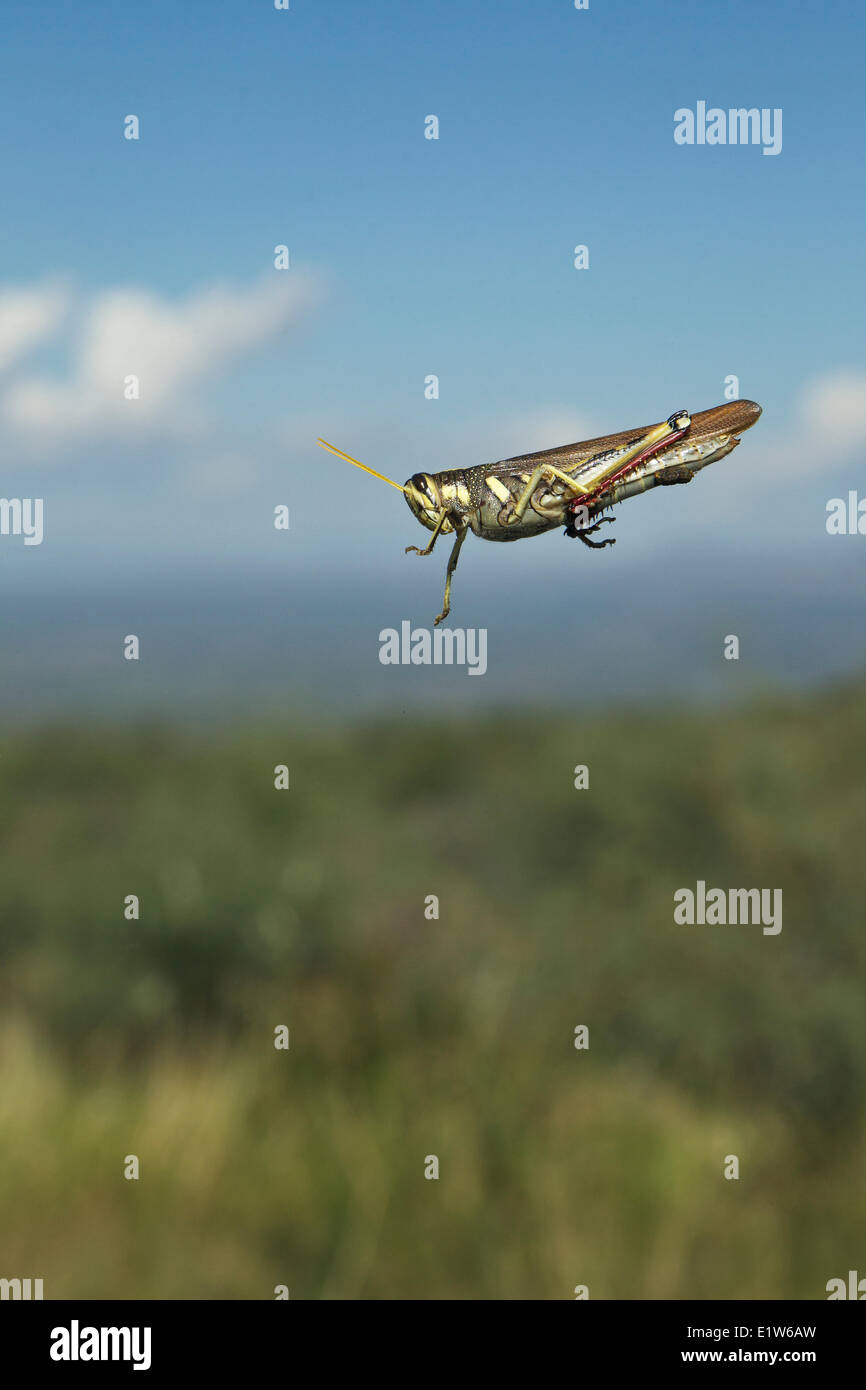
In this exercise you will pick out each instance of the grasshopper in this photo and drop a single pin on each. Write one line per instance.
(570, 486)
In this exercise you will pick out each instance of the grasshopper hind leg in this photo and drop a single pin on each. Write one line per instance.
(584, 532)
(596, 545)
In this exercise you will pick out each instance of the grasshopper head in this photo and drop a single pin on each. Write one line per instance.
(423, 494)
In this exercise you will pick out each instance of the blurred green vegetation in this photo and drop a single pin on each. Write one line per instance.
(452, 1037)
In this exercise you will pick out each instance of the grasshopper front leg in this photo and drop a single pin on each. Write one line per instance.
(452, 565)
(413, 549)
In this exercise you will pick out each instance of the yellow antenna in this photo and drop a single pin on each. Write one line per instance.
(348, 457)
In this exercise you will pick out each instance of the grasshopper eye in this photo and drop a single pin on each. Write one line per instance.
(419, 483)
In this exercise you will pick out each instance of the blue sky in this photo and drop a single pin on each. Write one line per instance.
(411, 257)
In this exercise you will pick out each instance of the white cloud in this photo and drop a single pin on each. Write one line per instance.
(834, 408)
(29, 317)
(172, 347)
(825, 429)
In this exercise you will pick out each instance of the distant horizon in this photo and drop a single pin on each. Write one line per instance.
(223, 649)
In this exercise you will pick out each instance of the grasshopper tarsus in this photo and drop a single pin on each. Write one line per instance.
(594, 545)
(581, 532)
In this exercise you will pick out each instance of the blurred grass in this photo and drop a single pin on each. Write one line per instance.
(451, 1037)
